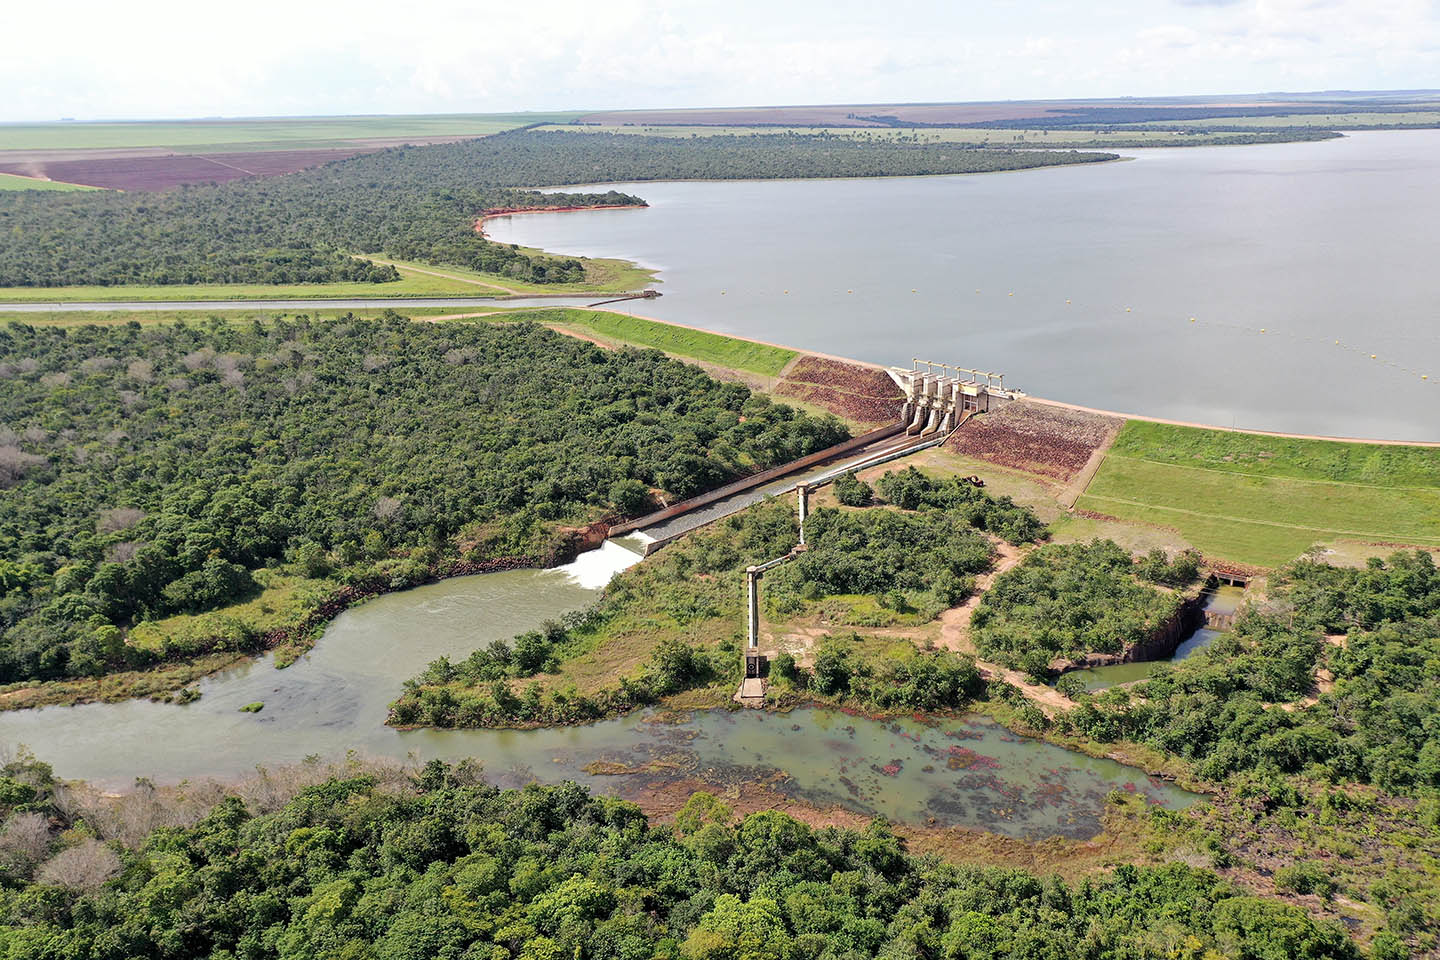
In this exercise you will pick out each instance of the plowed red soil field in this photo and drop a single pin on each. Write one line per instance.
(1051, 441)
(160, 173)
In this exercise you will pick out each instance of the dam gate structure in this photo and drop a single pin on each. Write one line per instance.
(938, 402)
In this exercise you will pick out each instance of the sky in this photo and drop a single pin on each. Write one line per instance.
(98, 59)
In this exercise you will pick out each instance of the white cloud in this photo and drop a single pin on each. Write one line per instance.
(168, 58)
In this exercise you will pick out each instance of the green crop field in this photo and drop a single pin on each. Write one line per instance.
(8, 181)
(1265, 500)
(277, 132)
(681, 341)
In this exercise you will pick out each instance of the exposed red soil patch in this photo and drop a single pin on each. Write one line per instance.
(862, 394)
(1051, 441)
(163, 172)
(507, 211)
(1227, 569)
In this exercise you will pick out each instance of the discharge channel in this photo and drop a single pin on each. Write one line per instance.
(964, 772)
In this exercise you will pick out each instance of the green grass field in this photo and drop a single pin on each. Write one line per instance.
(1372, 464)
(8, 181)
(679, 341)
(276, 133)
(1264, 500)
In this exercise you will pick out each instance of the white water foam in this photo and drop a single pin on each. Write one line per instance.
(594, 568)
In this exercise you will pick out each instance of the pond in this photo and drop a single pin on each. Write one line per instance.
(963, 772)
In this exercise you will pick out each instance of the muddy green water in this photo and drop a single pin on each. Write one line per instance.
(970, 773)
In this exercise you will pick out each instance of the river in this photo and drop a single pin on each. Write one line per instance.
(1080, 282)
(966, 772)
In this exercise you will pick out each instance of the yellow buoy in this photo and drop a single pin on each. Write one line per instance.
(1127, 309)
(1424, 376)
(1012, 293)
(1372, 356)
(1067, 301)
(1192, 319)
(1262, 329)
(912, 289)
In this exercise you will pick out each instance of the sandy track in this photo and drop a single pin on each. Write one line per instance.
(955, 636)
(955, 622)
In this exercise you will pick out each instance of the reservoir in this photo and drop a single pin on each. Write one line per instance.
(1296, 261)
(961, 772)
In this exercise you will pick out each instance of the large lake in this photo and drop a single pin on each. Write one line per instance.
(1079, 282)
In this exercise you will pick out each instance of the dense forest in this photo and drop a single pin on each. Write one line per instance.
(382, 864)
(148, 471)
(411, 203)
(1377, 721)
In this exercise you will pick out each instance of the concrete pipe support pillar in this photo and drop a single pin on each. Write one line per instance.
(752, 619)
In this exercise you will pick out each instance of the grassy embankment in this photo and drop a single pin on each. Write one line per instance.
(9, 181)
(1265, 500)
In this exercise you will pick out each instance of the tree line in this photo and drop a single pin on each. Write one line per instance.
(435, 863)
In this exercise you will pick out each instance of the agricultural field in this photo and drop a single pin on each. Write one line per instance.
(10, 181)
(157, 155)
(261, 132)
(1333, 121)
(1264, 501)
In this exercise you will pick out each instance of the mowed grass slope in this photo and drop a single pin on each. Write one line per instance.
(9, 181)
(678, 341)
(1265, 500)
